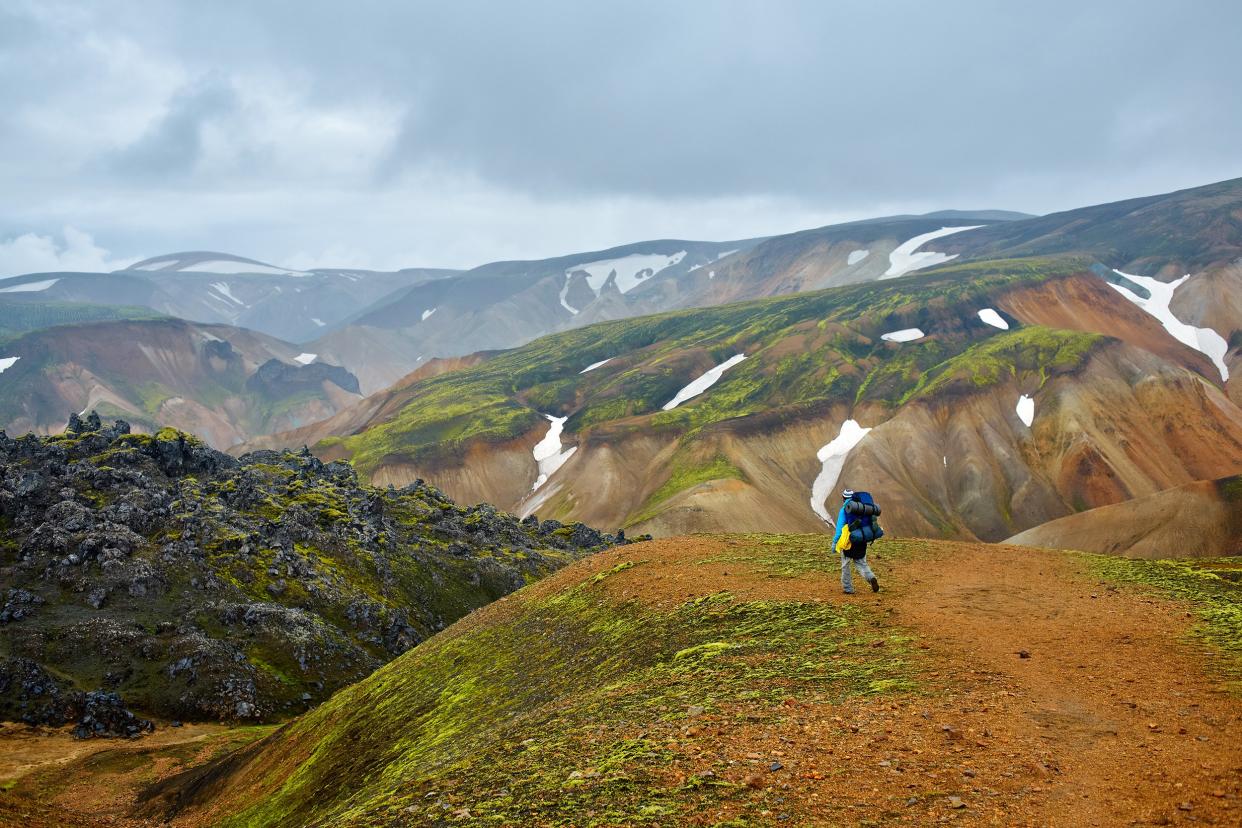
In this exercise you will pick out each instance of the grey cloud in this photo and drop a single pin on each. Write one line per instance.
(826, 100)
(590, 116)
(173, 145)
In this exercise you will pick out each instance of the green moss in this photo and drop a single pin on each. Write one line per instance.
(1212, 589)
(621, 567)
(505, 718)
(19, 317)
(685, 477)
(1027, 351)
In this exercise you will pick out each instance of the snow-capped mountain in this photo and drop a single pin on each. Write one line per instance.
(220, 288)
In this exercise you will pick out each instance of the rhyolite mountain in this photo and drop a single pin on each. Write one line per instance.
(1118, 408)
(200, 586)
(1122, 373)
(224, 383)
(505, 304)
(1196, 520)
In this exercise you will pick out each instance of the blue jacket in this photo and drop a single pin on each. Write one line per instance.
(842, 518)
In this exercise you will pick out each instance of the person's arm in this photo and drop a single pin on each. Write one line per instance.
(843, 532)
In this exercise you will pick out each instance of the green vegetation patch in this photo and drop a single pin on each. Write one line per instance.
(1212, 587)
(560, 710)
(686, 477)
(1032, 350)
(17, 318)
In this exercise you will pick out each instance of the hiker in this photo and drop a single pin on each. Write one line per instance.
(856, 527)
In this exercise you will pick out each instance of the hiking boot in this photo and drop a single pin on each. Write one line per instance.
(875, 583)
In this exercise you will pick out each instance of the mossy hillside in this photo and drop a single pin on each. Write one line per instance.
(815, 347)
(686, 474)
(557, 706)
(1035, 352)
(218, 588)
(1212, 589)
(17, 318)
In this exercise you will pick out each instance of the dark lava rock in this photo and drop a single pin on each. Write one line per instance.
(203, 586)
(104, 714)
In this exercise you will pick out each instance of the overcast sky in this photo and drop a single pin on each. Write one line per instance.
(389, 134)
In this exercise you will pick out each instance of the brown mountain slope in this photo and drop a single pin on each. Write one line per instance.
(1126, 425)
(960, 465)
(226, 384)
(1198, 520)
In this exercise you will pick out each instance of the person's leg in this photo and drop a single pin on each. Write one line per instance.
(865, 571)
(847, 579)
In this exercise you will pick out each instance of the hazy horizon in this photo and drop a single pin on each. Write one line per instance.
(392, 135)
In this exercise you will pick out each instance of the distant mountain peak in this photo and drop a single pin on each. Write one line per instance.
(207, 261)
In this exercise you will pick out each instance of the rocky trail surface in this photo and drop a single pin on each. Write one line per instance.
(999, 686)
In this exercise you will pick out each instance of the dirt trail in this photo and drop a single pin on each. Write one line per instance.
(1130, 726)
(1113, 717)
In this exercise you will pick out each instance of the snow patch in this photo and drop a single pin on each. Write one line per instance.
(993, 318)
(856, 256)
(903, 259)
(318, 322)
(305, 359)
(222, 266)
(7, 362)
(832, 460)
(534, 501)
(720, 256)
(711, 274)
(631, 270)
(703, 383)
(30, 287)
(565, 292)
(595, 365)
(1204, 340)
(1026, 410)
(428, 313)
(155, 265)
(904, 335)
(223, 289)
(548, 454)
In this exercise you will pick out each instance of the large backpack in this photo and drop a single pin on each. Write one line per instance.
(861, 511)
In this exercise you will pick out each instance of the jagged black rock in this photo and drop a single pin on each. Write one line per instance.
(195, 585)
